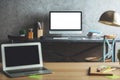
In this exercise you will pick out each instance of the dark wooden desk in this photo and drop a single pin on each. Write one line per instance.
(72, 49)
(71, 39)
(68, 71)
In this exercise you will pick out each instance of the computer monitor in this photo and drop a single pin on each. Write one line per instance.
(65, 23)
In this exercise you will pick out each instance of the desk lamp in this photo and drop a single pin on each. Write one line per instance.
(111, 18)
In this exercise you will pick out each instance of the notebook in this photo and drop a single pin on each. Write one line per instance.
(22, 59)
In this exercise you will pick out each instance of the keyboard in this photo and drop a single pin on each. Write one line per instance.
(71, 38)
(61, 38)
(28, 72)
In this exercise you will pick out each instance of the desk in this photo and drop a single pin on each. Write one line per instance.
(68, 71)
(71, 49)
(86, 45)
(72, 39)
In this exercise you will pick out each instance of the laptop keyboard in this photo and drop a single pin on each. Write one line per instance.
(25, 70)
(28, 72)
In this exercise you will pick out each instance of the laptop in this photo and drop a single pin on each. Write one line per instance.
(22, 59)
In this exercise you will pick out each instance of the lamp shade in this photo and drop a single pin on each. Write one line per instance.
(110, 18)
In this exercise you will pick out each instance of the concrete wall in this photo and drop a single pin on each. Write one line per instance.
(18, 14)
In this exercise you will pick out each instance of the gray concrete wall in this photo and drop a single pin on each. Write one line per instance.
(18, 14)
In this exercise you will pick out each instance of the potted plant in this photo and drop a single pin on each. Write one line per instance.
(22, 32)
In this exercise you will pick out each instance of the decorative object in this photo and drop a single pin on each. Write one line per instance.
(94, 34)
(22, 32)
(30, 33)
(40, 29)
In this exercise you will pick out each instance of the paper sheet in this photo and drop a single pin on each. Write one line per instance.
(113, 77)
(35, 76)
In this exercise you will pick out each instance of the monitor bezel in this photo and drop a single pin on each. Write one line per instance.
(65, 29)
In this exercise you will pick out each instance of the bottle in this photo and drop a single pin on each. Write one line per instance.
(30, 33)
(39, 30)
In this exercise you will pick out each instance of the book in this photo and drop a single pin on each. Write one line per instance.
(101, 70)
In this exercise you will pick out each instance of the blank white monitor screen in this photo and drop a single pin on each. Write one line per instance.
(65, 21)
